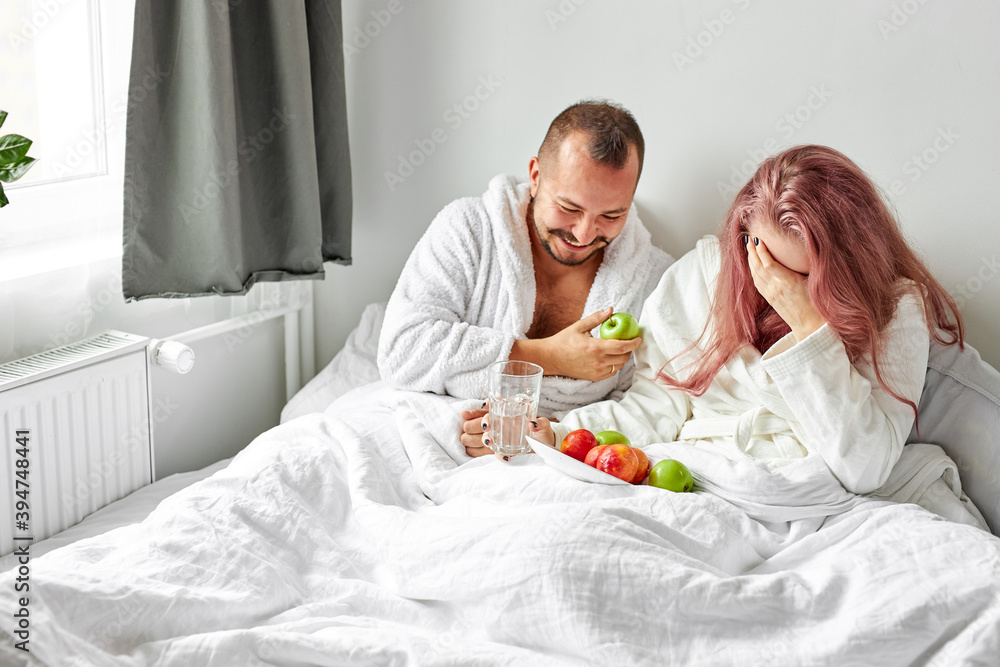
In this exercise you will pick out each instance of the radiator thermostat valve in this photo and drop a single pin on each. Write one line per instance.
(170, 354)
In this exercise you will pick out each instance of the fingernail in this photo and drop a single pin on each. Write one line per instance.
(506, 458)
(486, 442)
(535, 424)
(486, 427)
(756, 241)
(483, 405)
(746, 239)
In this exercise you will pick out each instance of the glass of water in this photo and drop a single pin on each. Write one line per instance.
(513, 392)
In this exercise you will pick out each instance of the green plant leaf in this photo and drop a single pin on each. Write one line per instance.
(11, 172)
(3, 198)
(3, 117)
(13, 147)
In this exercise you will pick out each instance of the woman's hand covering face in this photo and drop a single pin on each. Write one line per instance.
(786, 290)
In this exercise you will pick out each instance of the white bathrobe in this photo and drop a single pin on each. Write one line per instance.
(789, 405)
(467, 292)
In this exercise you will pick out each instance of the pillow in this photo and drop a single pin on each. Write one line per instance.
(960, 411)
(354, 365)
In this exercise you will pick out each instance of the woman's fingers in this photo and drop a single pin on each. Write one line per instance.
(770, 266)
(787, 291)
(756, 271)
(541, 430)
(477, 444)
(471, 436)
(478, 451)
(473, 414)
(471, 440)
(484, 437)
(769, 276)
(473, 421)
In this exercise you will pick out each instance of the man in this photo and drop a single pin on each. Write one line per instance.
(512, 274)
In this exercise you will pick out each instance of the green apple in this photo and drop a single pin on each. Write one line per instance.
(671, 475)
(620, 326)
(611, 438)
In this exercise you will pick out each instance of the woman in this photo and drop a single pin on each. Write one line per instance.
(803, 328)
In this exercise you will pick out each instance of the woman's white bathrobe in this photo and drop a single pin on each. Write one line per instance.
(468, 291)
(794, 401)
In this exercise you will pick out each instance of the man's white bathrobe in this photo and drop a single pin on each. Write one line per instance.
(467, 292)
(799, 404)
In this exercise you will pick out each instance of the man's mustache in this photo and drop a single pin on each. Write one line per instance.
(568, 236)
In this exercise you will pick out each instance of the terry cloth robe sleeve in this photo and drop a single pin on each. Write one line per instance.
(427, 342)
(651, 411)
(855, 425)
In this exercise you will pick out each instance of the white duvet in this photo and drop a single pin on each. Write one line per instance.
(365, 536)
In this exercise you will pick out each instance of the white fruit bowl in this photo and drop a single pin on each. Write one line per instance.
(570, 466)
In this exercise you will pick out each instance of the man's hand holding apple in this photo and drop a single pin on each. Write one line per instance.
(574, 353)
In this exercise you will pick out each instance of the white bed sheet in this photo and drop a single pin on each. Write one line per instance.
(365, 536)
(133, 508)
(355, 365)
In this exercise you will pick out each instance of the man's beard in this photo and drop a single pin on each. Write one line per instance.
(560, 233)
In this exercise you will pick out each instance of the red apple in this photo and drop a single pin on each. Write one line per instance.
(643, 466)
(577, 443)
(618, 460)
(592, 455)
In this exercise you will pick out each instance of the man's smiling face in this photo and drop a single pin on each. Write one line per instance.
(579, 206)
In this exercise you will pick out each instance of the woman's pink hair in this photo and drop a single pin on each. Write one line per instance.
(858, 258)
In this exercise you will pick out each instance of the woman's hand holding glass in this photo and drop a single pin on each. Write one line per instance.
(473, 422)
(786, 290)
(476, 426)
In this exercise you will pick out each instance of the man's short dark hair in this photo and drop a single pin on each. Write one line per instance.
(610, 127)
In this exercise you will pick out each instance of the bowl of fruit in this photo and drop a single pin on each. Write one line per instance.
(607, 457)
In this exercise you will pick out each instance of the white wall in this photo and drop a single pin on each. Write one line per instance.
(888, 81)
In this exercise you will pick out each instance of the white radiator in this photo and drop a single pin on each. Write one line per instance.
(76, 432)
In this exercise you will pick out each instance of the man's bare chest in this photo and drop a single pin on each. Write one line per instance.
(557, 307)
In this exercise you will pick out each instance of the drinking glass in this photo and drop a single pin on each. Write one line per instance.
(514, 387)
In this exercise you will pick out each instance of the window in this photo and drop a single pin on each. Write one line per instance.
(64, 84)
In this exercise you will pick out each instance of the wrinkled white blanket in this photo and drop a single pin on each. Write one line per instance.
(365, 536)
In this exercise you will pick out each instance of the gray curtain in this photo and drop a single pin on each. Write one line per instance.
(237, 166)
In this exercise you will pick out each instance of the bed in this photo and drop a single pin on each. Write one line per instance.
(357, 532)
